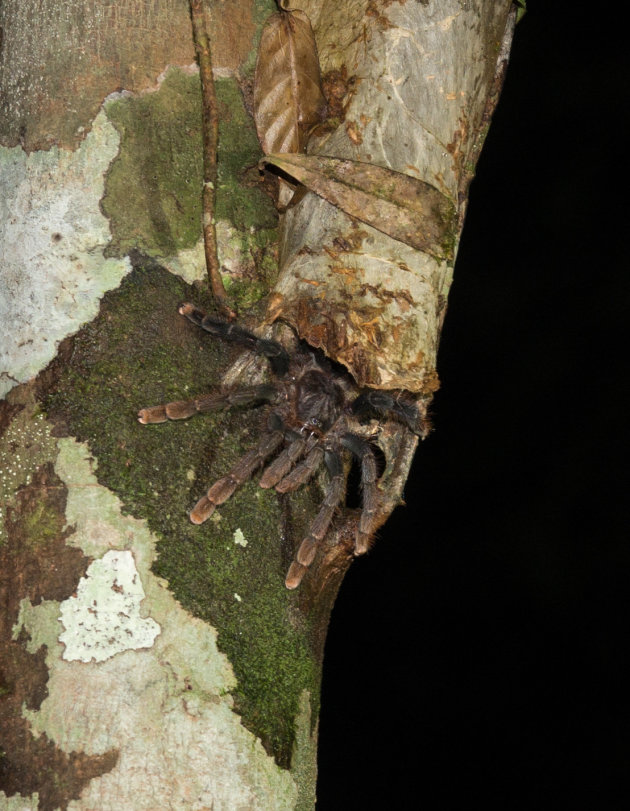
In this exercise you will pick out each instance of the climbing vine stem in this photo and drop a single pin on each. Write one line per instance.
(210, 119)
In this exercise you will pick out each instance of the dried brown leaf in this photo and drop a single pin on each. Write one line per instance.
(400, 206)
(288, 97)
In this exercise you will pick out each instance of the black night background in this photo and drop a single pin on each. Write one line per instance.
(475, 658)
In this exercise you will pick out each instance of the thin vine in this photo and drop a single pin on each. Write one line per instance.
(210, 127)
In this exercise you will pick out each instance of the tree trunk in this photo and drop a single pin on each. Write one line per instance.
(146, 662)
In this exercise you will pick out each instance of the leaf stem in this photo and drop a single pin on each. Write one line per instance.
(210, 128)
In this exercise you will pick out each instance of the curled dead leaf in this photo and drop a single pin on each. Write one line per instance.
(288, 97)
(403, 207)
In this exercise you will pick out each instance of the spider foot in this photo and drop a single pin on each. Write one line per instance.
(294, 575)
(222, 489)
(362, 543)
(399, 406)
(308, 550)
(306, 553)
(153, 414)
(202, 510)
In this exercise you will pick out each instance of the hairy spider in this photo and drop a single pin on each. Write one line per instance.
(314, 419)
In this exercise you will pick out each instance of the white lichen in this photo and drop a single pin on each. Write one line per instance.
(239, 538)
(52, 237)
(104, 618)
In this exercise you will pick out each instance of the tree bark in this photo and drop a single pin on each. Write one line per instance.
(146, 662)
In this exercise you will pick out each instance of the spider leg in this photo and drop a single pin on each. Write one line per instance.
(283, 463)
(395, 404)
(363, 451)
(275, 353)
(302, 473)
(334, 494)
(182, 409)
(222, 489)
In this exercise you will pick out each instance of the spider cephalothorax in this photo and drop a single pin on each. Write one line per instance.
(314, 419)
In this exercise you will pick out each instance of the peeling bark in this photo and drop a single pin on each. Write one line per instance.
(420, 83)
(422, 80)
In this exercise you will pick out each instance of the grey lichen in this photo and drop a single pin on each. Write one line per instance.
(104, 618)
(52, 238)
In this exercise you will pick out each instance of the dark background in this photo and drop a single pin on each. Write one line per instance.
(476, 655)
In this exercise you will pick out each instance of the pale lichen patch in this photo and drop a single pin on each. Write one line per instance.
(41, 623)
(20, 803)
(104, 618)
(52, 238)
(239, 538)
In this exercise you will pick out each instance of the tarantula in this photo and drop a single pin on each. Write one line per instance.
(314, 417)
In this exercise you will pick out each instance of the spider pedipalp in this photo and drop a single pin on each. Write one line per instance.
(315, 421)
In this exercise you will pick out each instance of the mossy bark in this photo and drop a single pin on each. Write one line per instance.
(204, 691)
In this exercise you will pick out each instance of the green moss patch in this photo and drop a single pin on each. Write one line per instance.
(153, 188)
(138, 352)
(261, 11)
